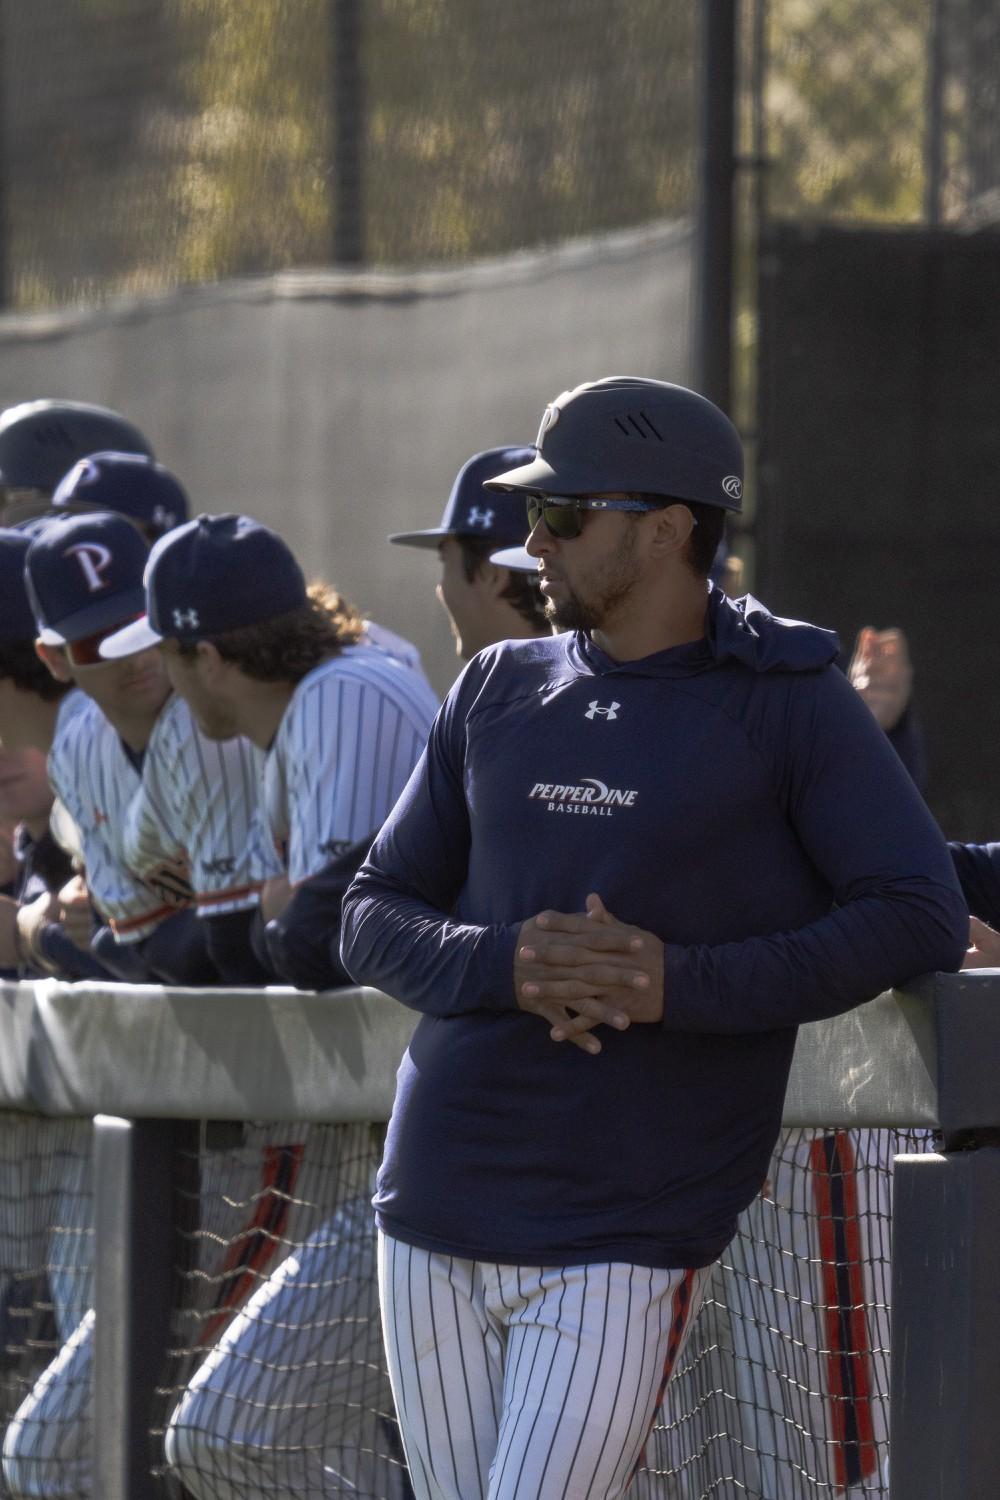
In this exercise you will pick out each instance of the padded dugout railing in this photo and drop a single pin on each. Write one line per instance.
(140, 1060)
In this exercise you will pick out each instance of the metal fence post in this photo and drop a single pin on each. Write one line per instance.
(945, 1327)
(717, 167)
(134, 1213)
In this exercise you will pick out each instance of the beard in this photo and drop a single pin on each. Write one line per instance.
(599, 595)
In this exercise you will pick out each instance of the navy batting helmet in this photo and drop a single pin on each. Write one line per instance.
(637, 436)
(41, 440)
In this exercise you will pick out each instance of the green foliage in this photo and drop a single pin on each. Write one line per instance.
(846, 91)
(252, 191)
(157, 142)
(487, 127)
(499, 126)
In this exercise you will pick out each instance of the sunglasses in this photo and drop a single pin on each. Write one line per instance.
(86, 652)
(563, 514)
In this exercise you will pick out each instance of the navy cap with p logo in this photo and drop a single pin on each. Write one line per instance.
(130, 484)
(215, 574)
(84, 574)
(472, 511)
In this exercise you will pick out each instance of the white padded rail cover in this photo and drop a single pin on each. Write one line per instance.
(281, 1054)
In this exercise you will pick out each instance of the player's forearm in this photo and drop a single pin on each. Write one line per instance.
(399, 944)
(869, 945)
(978, 869)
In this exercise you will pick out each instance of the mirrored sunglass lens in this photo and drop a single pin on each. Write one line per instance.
(563, 520)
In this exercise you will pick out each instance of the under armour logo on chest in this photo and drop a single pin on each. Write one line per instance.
(186, 619)
(483, 518)
(595, 708)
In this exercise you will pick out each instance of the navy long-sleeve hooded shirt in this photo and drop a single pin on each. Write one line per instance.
(733, 796)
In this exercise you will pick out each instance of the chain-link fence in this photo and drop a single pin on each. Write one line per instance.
(151, 143)
(147, 144)
(878, 110)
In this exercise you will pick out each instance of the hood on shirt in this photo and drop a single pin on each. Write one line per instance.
(739, 630)
(743, 630)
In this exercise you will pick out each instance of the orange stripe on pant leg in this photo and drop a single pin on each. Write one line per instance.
(680, 1312)
(253, 1249)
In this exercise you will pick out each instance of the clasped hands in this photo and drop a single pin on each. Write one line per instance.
(578, 970)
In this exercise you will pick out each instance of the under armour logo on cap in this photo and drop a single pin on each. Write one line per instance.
(607, 713)
(186, 619)
(483, 518)
(94, 559)
(164, 519)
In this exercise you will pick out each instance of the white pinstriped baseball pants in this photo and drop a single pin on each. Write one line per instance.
(525, 1383)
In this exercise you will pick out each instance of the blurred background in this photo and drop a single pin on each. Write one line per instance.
(323, 250)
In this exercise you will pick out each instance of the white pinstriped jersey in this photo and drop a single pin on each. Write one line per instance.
(95, 780)
(351, 735)
(197, 800)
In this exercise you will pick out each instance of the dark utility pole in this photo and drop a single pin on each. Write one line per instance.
(6, 278)
(717, 169)
(349, 130)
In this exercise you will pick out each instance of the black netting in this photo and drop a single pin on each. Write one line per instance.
(275, 1382)
(879, 110)
(46, 1291)
(150, 143)
(783, 1392)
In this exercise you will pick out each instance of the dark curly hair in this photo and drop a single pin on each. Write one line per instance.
(522, 588)
(287, 647)
(20, 662)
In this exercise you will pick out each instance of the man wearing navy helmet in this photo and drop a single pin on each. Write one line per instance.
(634, 858)
(484, 602)
(41, 440)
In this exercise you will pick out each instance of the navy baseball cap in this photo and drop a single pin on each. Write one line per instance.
(17, 618)
(499, 518)
(84, 574)
(215, 574)
(132, 484)
(517, 558)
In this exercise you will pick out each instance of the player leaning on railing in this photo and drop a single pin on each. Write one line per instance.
(338, 710)
(633, 860)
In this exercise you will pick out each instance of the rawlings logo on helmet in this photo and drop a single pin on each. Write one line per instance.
(733, 486)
